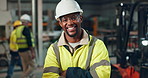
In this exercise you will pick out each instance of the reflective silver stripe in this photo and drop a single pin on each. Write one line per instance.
(102, 62)
(94, 74)
(52, 69)
(56, 50)
(93, 67)
(91, 46)
(20, 38)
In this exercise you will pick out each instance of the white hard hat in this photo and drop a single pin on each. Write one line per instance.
(65, 7)
(25, 17)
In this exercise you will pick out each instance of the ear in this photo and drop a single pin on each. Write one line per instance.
(60, 23)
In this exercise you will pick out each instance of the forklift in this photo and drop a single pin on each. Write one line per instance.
(132, 38)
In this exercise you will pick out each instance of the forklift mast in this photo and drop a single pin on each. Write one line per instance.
(125, 25)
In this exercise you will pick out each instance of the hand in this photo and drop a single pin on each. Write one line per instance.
(33, 55)
(32, 52)
(63, 74)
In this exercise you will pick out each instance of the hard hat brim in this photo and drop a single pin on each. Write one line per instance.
(57, 16)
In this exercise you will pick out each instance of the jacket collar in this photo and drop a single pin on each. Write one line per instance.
(83, 41)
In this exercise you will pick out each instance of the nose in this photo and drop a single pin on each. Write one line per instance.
(69, 21)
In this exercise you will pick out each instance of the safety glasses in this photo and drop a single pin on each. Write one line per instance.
(73, 18)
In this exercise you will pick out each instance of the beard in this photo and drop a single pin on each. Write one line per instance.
(73, 34)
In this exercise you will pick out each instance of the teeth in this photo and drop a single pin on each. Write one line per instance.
(71, 28)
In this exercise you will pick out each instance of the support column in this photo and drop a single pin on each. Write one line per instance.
(40, 31)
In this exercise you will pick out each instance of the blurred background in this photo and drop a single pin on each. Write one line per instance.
(121, 24)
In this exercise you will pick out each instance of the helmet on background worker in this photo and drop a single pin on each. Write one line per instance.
(25, 19)
(17, 23)
(65, 7)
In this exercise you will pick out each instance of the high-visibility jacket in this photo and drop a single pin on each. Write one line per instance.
(21, 39)
(99, 65)
(13, 44)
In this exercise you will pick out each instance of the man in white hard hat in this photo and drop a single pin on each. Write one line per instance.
(76, 54)
(25, 43)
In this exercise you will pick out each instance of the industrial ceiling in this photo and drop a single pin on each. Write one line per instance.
(88, 2)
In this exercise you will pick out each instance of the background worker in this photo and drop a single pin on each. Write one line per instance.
(26, 46)
(76, 54)
(15, 58)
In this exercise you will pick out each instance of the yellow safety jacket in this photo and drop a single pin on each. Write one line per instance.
(94, 56)
(13, 44)
(21, 39)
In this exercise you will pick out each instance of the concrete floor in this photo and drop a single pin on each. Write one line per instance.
(18, 73)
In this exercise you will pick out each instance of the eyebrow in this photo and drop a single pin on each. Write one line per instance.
(70, 15)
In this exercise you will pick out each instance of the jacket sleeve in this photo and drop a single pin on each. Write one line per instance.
(100, 63)
(51, 67)
(27, 34)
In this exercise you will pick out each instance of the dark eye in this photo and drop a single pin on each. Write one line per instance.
(73, 18)
(63, 19)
